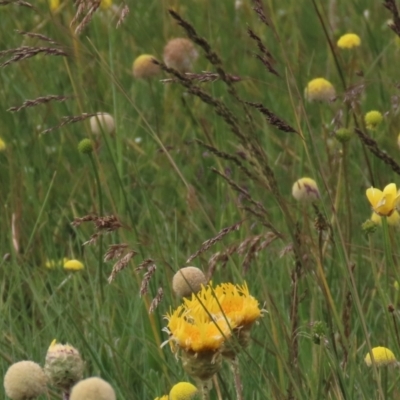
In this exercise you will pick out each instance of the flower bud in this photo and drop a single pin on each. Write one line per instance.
(24, 380)
(373, 119)
(73, 265)
(305, 190)
(102, 122)
(85, 146)
(382, 357)
(319, 89)
(144, 67)
(348, 41)
(188, 280)
(64, 365)
(182, 391)
(343, 135)
(92, 389)
(180, 54)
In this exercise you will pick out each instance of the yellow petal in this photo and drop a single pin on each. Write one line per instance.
(374, 196)
(390, 189)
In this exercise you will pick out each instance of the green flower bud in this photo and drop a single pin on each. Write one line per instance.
(85, 146)
(343, 135)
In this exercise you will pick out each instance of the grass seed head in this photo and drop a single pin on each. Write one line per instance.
(24, 380)
(188, 280)
(92, 389)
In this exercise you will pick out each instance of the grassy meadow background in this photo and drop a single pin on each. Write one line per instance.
(158, 181)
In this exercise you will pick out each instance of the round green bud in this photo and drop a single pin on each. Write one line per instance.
(369, 226)
(85, 146)
(343, 135)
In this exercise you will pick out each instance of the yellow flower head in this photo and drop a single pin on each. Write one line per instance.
(182, 391)
(3, 145)
(319, 89)
(348, 41)
(54, 5)
(392, 220)
(73, 265)
(383, 203)
(105, 4)
(373, 119)
(382, 356)
(305, 190)
(52, 264)
(144, 67)
(162, 398)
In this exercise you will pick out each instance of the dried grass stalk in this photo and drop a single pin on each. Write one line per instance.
(157, 300)
(38, 101)
(37, 36)
(24, 52)
(144, 264)
(115, 251)
(210, 242)
(395, 25)
(205, 76)
(258, 8)
(124, 14)
(88, 6)
(146, 279)
(121, 264)
(69, 120)
(16, 2)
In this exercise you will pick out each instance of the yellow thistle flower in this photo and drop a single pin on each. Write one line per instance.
(182, 391)
(3, 145)
(382, 356)
(348, 41)
(383, 203)
(305, 190)
(392, 220)
(193, 333)
(144, 67)
(105, 4)
(73, 265)
(319, 89)
(373, 119)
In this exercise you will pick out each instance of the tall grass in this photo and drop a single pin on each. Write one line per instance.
(326, 287)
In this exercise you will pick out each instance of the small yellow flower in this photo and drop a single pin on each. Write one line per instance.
(348, 41)
(305, 190)
(144, 67)
(54, 5)
(382, 356)
(3, 145)
(373, 119)
(182, 391)
(105, 4)
(73, 265)
(162, 398)
(383, 203)
(392, 220)
(319, 89)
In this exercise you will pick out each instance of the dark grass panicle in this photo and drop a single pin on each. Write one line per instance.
(115, 251)
(69, 120)
(121, 264)
(392, 7)
(157, 300)
(16, 2)
(37, 36)
(210, 242)
(205, 76)
(39, 100)
(144, 287)
(25, 52)
(84, 6)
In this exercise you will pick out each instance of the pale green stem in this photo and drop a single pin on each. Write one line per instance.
(234, 363)
(204, 388)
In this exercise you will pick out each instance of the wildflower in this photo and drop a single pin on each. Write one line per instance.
(24, 380)
(382, 356)
(180, 54)
(392, 220)
(105, 4)
(85, 146)
(54, 5)
(348, 41)
(383, 203)
(102, 122)
(188, 280)
(92, 389)
(343, 135)
(144, 67)
(182, 391)
(305, 190)
(3, 145)
(319, 89)
(73, 265)
(166, 397)
(52, 264)
(64, 365)
(373, 119)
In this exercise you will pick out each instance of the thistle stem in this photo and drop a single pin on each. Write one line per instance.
(204, 387)
(234, 363)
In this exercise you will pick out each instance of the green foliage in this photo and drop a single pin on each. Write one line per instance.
(326, 286)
